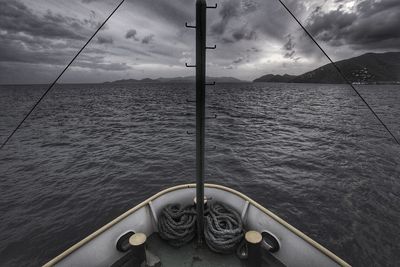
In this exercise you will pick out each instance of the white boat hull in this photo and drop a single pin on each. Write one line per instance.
(99, 249)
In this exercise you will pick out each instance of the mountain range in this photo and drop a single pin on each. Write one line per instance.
(186, 79)
(370, 68)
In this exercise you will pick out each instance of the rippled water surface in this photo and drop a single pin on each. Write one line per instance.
(313, 154)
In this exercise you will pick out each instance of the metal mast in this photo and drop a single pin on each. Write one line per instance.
(201, 11)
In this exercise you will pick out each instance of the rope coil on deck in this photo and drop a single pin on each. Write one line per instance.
(177, 225)
(223, 229)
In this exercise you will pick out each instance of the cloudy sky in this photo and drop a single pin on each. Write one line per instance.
(147, 38)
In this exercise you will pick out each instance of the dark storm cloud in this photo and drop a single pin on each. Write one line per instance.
(28, 37)
(13, 51)
(331, 25)
(289, 54)
(253, 50)
(48, 33)
(235, 22)
(93, 22)
(373, 25)
(16, 17)
(288, 47)
(272, 20)
(105, 40)
(147, 39)
(176, 12)
(249, 5)
(226, 40)
(17, 51)
(131, 34)
(229, 10)
(244, 34)
(238, 60)
(371, 7)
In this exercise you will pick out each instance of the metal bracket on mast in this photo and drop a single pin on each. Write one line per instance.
(189, 26)
(214, 6)
(190, 66)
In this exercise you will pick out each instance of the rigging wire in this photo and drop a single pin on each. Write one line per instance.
(340, 72)
(59, 76)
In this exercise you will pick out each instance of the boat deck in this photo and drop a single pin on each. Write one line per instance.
(191, 256)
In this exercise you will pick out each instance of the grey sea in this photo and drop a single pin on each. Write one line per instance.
(312, 154)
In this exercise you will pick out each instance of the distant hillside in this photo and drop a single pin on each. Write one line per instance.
(275, 78)
(186, 79)
(367, 68)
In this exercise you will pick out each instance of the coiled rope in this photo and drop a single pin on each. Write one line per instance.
(177, 225)
(223, 230)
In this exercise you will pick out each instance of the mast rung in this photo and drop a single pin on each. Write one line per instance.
(190, 66)
(190, 26)
(211, 47)
(214, 6)
(213, 83)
